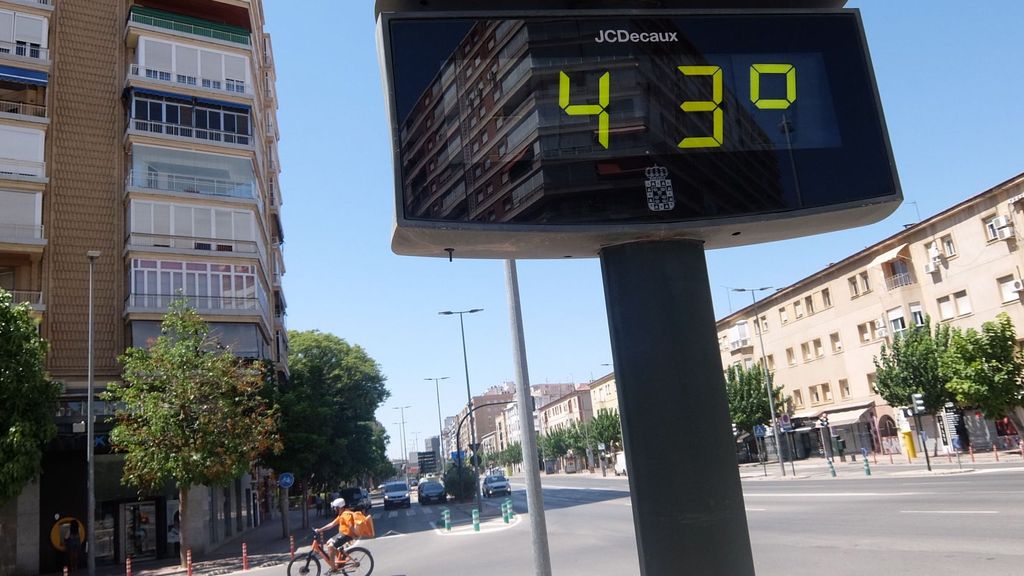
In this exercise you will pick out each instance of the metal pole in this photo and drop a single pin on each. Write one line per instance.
(469, 406)
(767, 381)
(531, 468)
(90, 440)
(440, 427)
(924, 444)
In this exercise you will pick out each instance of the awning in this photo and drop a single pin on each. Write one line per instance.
(846, 417)
(805, 414)
(887, 256)
(148, 92)
(213, 102)
(23, 76)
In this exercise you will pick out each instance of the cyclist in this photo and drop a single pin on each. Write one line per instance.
(345, 522)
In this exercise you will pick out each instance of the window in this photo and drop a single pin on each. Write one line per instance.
(761, 325)
(854, 288)
(963, 304)
(815, 395)
(948, 247)
(798, 398)
(798, 309)
(844, 388)
(946, 308)
(896, 321)
(826, 298)
(783, 315)
(992, 227)
(836, 342)
(771, 361)
(790, 357)
(809, 304)
(865, 286)
(805, 350)
(916, 314)
(819, 351)
(826, 392)
(1008, 289)
(872, 380)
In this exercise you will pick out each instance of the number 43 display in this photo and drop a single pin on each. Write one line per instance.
(713, 106)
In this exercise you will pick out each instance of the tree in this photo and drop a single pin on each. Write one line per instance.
(607, 429)
(911, 366)
(554, 444)
(984, 369)
(190, 413)
(28, 397)
(748, 400)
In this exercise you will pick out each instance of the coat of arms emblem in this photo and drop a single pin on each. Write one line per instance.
(659, 189)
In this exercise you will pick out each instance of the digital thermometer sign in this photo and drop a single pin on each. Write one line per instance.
(553, 134)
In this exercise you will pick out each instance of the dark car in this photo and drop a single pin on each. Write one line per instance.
(496, 485)
(357, 499)
(396, 494)
(431, 491)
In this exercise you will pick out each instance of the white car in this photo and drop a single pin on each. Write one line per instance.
(620, 463)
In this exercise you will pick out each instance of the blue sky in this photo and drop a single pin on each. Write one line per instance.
(953, 94)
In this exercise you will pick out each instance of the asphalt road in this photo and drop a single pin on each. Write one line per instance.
(943, 525)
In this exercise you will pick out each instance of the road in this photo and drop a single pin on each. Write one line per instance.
(940, 525)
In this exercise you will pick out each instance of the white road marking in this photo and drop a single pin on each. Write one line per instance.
(948, 512)
(831, 494)
(392, 514)
(410, 512)
(756, 509)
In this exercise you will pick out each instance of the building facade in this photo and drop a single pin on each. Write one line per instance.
(572, 409)
(821, 334)
(145, 130)
(604, 394)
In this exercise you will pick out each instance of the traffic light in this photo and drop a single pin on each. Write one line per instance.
(918, 400)
(735, 430)
(823, 420)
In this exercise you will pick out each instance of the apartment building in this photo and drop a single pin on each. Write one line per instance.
(145, 130)
(564, 412)
(604, 394)
(486, 407)
(962, 266)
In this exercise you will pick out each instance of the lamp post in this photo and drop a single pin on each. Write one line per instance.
(405, 454)
(469, 395)
(90, 520)
(440, 427)
(764, 369)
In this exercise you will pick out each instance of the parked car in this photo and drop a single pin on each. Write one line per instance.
(396, 494)
(620, 463)
(431, 491)
(496, 485)
(357, 499)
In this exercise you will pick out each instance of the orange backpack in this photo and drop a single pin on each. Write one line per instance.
(363, 525)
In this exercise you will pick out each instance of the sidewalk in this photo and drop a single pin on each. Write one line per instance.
(266, 547)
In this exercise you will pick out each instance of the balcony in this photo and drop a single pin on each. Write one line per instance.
(22, 109)
(22, 169)
(173, 80)
(187, 184)
(190, 133)
(22, 50)
(898, 281)
(740, 344)
(33, 298)
(39, 3)
(20, 232)
(221, 246)
(227, 305)
(190, 26)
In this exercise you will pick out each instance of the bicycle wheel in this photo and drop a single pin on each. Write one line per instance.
(360, 562)
(308, 565)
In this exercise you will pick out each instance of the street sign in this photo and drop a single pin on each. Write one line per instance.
(760, 430)
(600, 446)
(785, 423)
(286, 480)
(458, 456)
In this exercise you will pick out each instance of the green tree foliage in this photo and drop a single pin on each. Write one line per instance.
(191, 414)
(607, 429)
(911, 366)
(461, 481)
(554, 444)
(579, 437)
(748, 398)
(327, 412)
(28, 398)
(984, 369)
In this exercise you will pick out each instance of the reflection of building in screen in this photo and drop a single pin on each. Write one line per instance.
(473, 144)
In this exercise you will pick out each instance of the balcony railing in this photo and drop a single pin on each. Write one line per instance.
(36, 2)
(191, 132)
(186, 28)
(144, 240)
(738, 344)
(22, 109)
(29, 168)
(898, 280)
(201, 303)
(190, 184)
(24, 50)
(30, 297)
(169, 78)
(21, 231)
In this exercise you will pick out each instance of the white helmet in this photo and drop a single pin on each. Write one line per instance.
(338, 503)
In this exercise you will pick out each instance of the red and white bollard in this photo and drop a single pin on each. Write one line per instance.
(291, 545)
(188, 562)
(65, 571)
(128, 566)
(245, 556)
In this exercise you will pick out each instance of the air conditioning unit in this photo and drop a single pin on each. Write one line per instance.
(1018, 286)
(879, 324)
(881, 333)
(1002, 222)
(931, 268)
(1004, 233)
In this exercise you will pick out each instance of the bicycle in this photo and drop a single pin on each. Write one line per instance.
(359, 562)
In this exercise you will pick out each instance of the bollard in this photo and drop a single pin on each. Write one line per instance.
(971, 450)
(890, 458)
(245, 557)
(867, 468)
(128, 566)
(188, 562)
(996, 451)
(874, 456)
(504, 512)
(1021, 444)
(909, 459)
(831, 468)
(511, 509)
(476, 520)
(447, 515)
(291, 545)
(949, 457)
(65, 571)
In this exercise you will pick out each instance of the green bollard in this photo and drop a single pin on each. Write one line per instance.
(476, 520)
(505, 512)
(511, 510)
(831, 468)
(867, 468)
(447, 515)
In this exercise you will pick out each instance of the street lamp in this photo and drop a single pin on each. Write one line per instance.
(469, 395)
(90, 520)
(405, 454)
(764, 368)
(440, 427)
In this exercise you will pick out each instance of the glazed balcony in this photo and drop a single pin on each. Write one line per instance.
(174, 80)
(190, 133)
(226, 305)
(169, 242)
(190, 27)
(190, 184)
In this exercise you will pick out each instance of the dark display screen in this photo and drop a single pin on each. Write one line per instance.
(621, 120)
